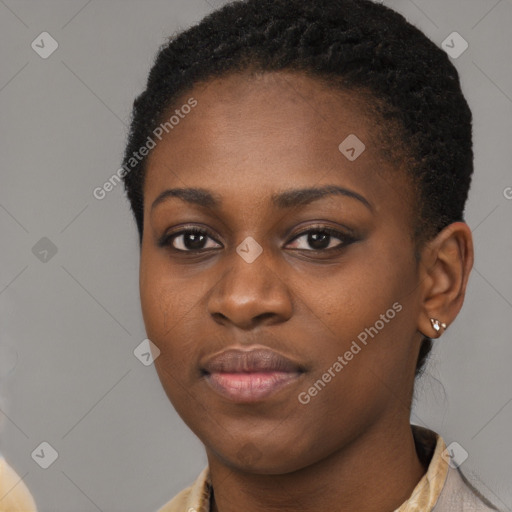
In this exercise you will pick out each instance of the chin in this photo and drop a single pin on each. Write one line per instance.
(252, 457)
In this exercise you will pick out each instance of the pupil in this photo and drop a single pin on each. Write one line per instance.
(318, 240)
(193, 238)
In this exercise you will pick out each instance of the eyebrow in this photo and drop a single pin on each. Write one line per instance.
(286, 199)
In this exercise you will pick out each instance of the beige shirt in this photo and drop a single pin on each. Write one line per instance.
(14, 495)
(441, 489)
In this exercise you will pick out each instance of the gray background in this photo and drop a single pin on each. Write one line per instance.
(69, 325)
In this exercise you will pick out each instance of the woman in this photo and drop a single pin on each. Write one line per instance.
(298, 173)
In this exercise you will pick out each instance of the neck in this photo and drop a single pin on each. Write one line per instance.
(375, 473)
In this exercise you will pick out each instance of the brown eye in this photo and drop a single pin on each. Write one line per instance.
(187, 240)
(321, 239)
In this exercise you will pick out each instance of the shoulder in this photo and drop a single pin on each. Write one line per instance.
(444, 487)
(14, 494)
(459, 495)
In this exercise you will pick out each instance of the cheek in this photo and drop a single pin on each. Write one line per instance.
(342, 301)
(159, 305)
(166, 298)
(173, 308)
(167, 307)
(364, 312)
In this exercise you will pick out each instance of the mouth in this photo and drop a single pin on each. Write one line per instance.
(246, 376)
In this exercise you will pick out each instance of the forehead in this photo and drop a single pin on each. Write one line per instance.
(258, 132)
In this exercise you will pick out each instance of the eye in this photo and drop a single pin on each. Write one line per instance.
(187, 240)
(194, 239)
(320, 239)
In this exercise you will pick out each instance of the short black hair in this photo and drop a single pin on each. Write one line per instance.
(409, 84)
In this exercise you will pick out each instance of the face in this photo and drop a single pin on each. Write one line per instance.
(324, 281)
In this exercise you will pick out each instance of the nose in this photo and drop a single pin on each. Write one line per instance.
(248, 294)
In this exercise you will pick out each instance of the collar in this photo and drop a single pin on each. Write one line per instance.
(430, 447)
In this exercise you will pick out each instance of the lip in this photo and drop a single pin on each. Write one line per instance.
(246, 376)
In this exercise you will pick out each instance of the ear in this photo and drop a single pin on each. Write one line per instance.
(446, 263)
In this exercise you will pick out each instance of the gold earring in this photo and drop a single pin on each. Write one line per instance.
(437, 325)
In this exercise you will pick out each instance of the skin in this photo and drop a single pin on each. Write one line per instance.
(351, 446)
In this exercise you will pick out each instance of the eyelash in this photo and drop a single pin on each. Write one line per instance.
(167, 240)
